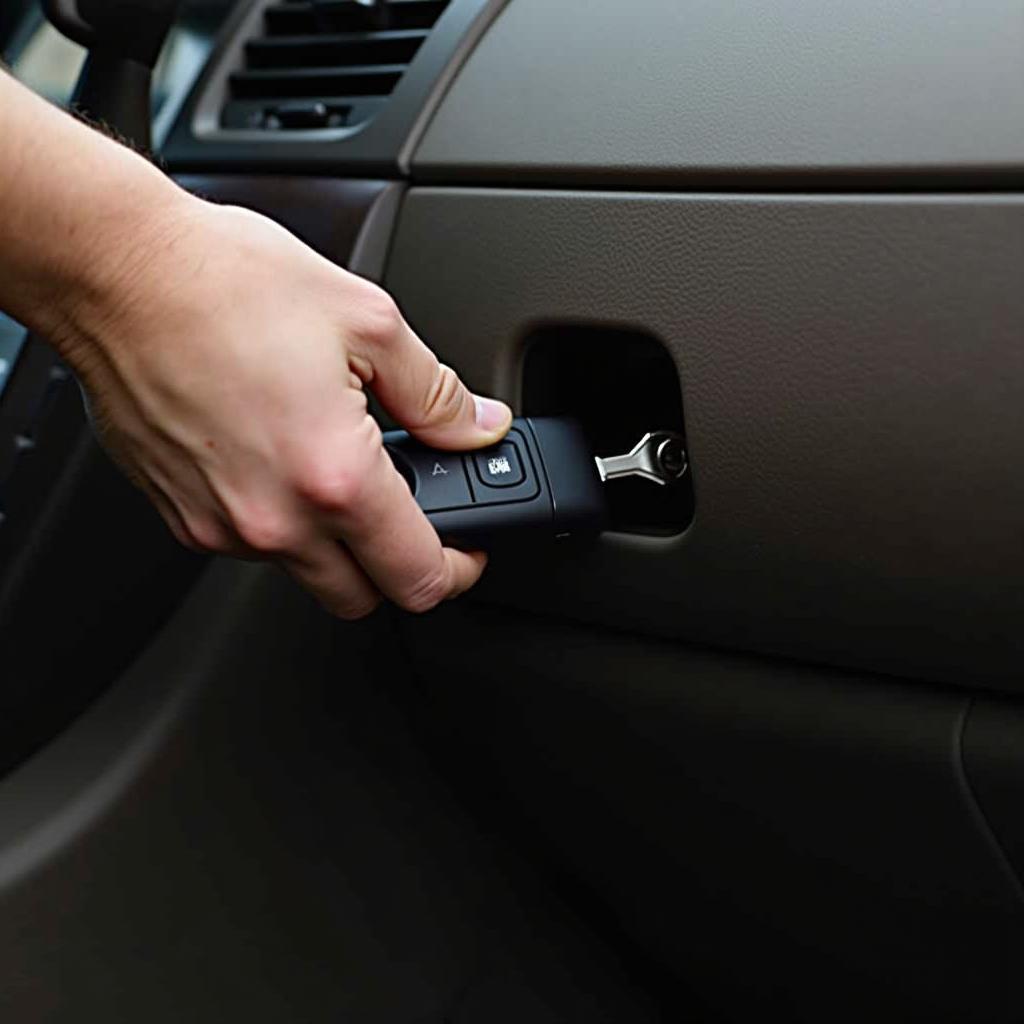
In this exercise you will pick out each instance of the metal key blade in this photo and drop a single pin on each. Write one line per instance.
(658, 456)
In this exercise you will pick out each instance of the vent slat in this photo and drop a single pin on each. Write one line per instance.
(325, 63)
(346, 49)
(300, 16)
(316, 82)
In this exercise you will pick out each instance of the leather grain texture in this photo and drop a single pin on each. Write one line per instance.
(659, 90)
(852, 371)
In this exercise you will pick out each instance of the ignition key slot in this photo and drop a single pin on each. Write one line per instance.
(619, 384)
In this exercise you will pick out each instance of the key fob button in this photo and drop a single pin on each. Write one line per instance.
(500, 466)
(442, 482)
(541, 479)
(438, 479)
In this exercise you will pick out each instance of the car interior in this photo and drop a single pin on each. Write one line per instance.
(755, 749)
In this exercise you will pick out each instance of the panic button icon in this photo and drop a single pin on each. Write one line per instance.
(501, 466)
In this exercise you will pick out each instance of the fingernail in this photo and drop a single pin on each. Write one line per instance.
(491, 415)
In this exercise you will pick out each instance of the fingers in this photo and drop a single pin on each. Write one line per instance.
(322, 565)
(391, 538)
(334, 578)
(359, 500)
(423, 395)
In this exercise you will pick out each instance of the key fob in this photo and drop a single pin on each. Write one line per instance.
(540, 480)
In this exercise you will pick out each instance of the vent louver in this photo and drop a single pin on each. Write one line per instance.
(325, 63)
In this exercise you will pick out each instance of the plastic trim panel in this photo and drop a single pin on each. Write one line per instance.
(853, 380)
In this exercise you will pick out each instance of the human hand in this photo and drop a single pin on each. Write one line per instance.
(225, 365)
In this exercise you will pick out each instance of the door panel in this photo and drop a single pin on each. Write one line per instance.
(852, 379)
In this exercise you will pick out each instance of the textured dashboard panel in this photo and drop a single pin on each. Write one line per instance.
(853, 377)
(659, 90)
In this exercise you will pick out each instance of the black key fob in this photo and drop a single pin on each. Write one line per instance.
(540, 480)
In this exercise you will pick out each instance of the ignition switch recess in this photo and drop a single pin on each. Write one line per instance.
(620, 384)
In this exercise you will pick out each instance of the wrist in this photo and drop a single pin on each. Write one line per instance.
(78, 213)
(97, 283)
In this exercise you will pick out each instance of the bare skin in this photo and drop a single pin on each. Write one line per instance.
(225, 365)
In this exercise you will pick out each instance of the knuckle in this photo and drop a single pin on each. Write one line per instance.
(268, 533)
(446, 397)
(428, 592)
(207, 535)
(335, 490)
(338, 487)
(378, 319)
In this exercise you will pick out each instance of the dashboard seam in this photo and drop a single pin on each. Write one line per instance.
(432, 101)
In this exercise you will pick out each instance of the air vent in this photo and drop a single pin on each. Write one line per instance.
(325, 63)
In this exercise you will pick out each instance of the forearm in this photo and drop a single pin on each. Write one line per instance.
(77, 211)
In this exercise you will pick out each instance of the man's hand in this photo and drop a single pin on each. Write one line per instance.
(228, 378)
(225, 365)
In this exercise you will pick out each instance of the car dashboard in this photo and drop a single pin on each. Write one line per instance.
(763, 735)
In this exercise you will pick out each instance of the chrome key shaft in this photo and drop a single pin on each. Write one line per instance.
(659, 456)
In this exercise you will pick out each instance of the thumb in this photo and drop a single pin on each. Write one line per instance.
(425, 396)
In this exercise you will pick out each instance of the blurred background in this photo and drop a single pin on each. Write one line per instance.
(48, 63)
